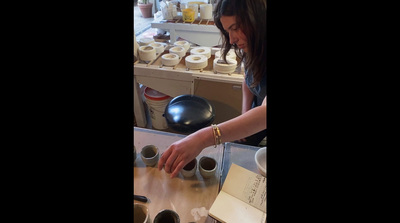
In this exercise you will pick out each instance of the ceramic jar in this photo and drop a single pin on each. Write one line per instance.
(189, 169)
(150, 155)
(207, 166)
(140, 213)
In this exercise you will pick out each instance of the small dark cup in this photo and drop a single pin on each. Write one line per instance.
(166, 216)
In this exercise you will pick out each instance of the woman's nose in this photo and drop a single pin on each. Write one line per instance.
(232, 39)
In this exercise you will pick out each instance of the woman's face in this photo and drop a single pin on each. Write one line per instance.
(236, 36)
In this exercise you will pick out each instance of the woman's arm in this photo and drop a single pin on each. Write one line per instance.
(183, 151)
(247, 98)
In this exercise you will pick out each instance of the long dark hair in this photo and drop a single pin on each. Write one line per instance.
(251, 18)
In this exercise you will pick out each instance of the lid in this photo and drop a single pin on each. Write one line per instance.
(154, 95)
(188, 113)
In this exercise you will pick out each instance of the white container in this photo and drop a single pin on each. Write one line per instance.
(187, 1)
(205, 11)
(231, 54)
(170, 59)
(196, 61)
(159, 47)
(183, 43)
(145, 41)
(195, 8)
(206, 51)
(169, 12)
(178, 50)
(147, 53)
(220, 66)
(156, 103)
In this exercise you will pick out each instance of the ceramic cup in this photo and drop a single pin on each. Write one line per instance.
(150, 155)
(190, 169)
(207, 166)
(140, 213)
(167, 216)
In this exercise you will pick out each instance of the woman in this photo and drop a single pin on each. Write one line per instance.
(243, 27)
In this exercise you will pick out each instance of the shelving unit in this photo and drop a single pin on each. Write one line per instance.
(200, 32)
(178, 80)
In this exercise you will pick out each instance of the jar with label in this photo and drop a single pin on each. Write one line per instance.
(188, 15)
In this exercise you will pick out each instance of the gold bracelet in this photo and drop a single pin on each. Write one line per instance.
(217, 135)
(215, 138)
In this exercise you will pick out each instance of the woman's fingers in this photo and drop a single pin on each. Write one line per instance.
(178, 160)
(163, 158)
(170, 161)
(177, 169)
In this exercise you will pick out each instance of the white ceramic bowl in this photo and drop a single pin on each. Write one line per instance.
(261, 160)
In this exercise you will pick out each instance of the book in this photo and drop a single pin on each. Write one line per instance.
(242, 198)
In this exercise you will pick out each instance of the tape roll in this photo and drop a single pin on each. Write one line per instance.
(180, 51)
(225, 68)
(231, 54)
(145, 41)
(196, 61)
(206, 51)
(158, 46)
(147, 53)
(182, 43)
(205, 11)
(170, 59)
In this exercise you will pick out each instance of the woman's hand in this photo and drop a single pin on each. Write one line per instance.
(182, 152)
(185, 150)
